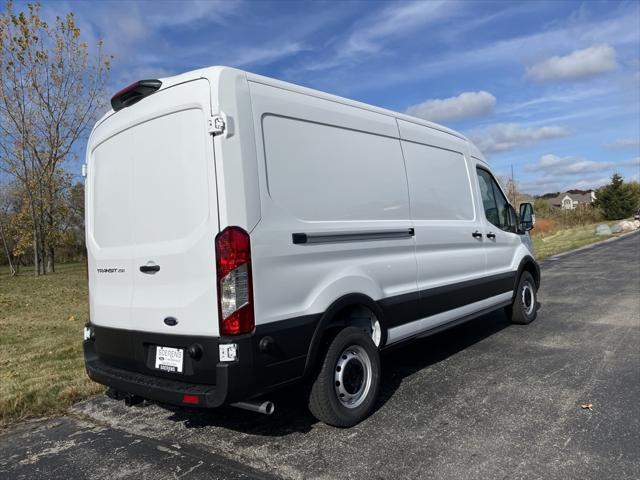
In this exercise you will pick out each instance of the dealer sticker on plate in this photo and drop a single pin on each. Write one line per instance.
(228, 352)
(169, 359)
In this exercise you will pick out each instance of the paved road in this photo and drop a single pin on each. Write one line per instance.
(485, 400)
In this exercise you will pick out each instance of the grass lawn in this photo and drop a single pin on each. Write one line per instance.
(41, 323)
(565, 240)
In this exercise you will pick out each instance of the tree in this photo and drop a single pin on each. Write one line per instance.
(617, 200)
(5, 206)
(541, 206)
(51, 86)
(511, 189)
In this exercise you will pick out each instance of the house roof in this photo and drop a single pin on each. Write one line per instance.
(584, 197)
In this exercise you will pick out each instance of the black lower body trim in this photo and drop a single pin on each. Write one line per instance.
(445, 326)
(410, 307)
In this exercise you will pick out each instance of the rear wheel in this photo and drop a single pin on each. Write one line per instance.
(346, 387)
(525, 303)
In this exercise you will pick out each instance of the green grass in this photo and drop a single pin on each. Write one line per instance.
(568, 239)
(41, 323)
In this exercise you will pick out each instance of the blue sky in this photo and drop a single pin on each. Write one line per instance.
(552, 88)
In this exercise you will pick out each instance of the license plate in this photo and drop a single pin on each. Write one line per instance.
(169, 359)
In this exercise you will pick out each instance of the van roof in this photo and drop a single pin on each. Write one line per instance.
(335, 98)
(215, 71)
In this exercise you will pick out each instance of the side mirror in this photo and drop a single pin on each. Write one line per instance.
(526, 217)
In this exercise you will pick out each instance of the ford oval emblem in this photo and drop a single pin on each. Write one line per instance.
(171, 321)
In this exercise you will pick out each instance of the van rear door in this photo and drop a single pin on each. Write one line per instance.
(152, 215)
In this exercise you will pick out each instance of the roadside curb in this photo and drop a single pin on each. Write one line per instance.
(558, 256)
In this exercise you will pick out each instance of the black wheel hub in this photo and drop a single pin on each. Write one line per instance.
(353, 376)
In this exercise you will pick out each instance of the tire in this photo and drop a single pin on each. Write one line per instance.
(345, 389)
(524, 309)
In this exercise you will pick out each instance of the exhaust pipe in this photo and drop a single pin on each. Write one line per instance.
(130, 400)
(266, 407)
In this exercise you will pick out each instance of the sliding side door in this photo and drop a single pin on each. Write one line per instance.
(449, 247)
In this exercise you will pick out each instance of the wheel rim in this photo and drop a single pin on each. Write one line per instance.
(528, 298)
(352, 376)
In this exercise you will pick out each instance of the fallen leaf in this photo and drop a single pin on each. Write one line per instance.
(587, 406)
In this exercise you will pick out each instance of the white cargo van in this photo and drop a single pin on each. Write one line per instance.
(245, 233)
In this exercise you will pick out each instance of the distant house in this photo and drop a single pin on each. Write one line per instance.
(572, 199)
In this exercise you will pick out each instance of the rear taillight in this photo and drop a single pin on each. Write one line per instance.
(235, 289)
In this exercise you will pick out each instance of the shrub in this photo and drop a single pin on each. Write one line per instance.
(544, 226)
(618, 199)
(561, 218)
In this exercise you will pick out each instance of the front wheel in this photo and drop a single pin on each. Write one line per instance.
(346, 387)
(524, 309)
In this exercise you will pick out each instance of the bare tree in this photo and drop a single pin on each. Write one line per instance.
(4, 210)
(51, 88)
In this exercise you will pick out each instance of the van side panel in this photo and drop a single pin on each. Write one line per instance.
(326, 168)
(320, 172)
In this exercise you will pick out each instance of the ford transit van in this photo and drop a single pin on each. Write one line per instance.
(244, 234)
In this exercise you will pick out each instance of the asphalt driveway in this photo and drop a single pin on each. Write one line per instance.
(484, 400)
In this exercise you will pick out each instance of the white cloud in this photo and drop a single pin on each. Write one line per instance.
(263, 54)
(624, 143)
(188, 12)
(550, 184)
(368, 36)
(565, 165)
(552, 173)
(562, 166)
(129, 28)
(465, 105)
(392, 21)
(500, 137)
(619, 31)
(578, 64)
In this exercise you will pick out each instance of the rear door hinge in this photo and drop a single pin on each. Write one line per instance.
(220, 124)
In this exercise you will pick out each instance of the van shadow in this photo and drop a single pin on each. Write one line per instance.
(291, 414)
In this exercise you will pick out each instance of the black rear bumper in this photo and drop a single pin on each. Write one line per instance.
(273, 355)
(153, 388)
(124, 360)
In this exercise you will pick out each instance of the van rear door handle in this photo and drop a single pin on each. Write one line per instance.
(491, 235)
(476, 234)
(149, 268)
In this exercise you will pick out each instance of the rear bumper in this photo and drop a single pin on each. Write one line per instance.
(123, 360)
(153, 388)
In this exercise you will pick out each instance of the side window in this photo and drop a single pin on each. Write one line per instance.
(496, 207)
(488, 199)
